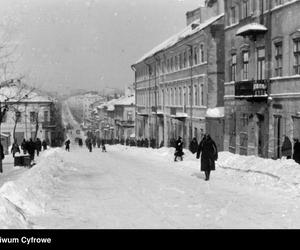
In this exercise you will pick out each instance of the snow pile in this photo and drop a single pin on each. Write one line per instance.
(29, 194)
(281, 174)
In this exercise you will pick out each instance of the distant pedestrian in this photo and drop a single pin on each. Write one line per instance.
(90, 145)
(23, 146)
(44, 144)
(179, 149)
(103, 146)
(193, 145)
(38, 146)
(80, 142)
(67, 144)
(209, 154)
(31, 149)
(15, 148)
(1, 157)
(296, 155)
(286, 149)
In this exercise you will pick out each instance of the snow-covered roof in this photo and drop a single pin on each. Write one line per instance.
(106, 104)
(22, 93)
(186, 32)
(126, 100)
(215, 112)
(251, 27)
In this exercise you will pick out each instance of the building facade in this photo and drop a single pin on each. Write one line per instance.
(262, 76)
(28, 114)
(180, 79)
(117, 118)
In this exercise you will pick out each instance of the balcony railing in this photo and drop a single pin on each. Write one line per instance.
(253, 89)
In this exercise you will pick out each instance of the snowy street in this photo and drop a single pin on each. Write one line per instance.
(143, 188)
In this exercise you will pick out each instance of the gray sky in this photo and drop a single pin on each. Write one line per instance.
(87, 44)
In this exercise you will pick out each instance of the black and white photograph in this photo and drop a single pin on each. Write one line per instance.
(149, 114)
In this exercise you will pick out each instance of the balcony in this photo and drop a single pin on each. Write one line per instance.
(253, 90)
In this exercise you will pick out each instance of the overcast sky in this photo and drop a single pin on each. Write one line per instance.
(89, 44)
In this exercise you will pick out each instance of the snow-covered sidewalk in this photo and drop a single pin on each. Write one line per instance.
(130, 187)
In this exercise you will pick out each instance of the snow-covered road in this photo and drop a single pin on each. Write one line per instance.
(142, 188)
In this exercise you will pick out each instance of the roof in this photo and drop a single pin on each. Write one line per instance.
(250, 28)
(22, 93)
(186, 32)
(124, 100)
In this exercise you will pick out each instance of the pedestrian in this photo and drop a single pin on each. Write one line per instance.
(23, 146)
(67, 144)
(80, 142)
(31, 149)
(193, 145)
(15, 148)
(2, 157)
(38, 146)
(286, 149)
(90, 144)
(209, 154)
(44, 144)
(296, 155)
(179, 149)
(103, 146)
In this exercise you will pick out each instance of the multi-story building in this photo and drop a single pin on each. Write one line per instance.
(28, 114)
(117, 118)
(262, 75)
(179, 80)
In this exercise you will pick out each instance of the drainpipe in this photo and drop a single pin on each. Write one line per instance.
(156, 101)
(191, 92)
(149, 100)
(269, 68)
(135, 106)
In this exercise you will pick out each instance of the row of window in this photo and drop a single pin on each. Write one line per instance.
(245, 8)
(261, 58)
(174, 63)
(174, 96)
(32, 115)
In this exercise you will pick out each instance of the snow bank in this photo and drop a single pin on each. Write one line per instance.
(281, 174)
(28, 195)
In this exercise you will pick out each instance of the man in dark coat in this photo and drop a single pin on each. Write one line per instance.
(194, 145)
(286, 149)
(31, 149)
(179, 149)
(44, 144)
(38, 146)
(296, 155)
(209, 155)
(23, 146)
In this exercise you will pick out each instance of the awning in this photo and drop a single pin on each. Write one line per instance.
(251, 29)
